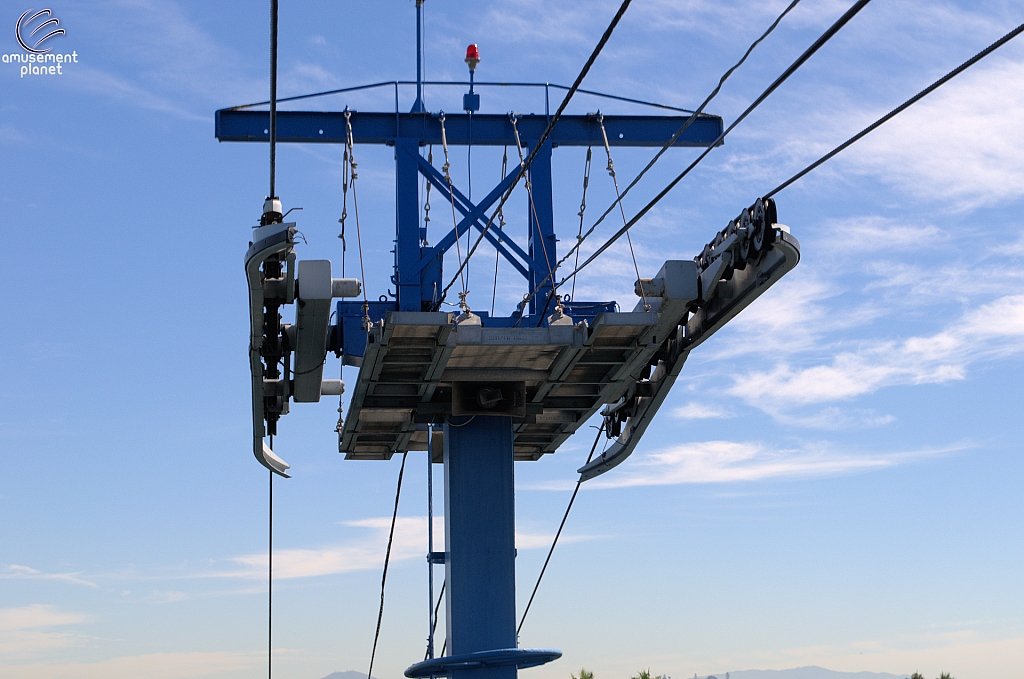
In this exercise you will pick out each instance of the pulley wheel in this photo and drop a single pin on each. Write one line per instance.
(759, 226)
(747, 251)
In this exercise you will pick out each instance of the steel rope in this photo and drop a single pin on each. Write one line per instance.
(273, 96)
(350, 146)
(902, 107)
(543, 138)
(825, 37)
(668, 144)
(583, 210)
(387, 558)
(618, 201)
(501, 228)
(455, 224)
(557, 534)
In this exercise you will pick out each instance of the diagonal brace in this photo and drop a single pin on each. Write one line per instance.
(473, 215)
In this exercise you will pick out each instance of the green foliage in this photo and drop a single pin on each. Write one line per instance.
(916, 675)
(945, 675)
(584, 674)
(644, 674)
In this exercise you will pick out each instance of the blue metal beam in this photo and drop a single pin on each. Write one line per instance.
(319, 127)
(541, 218)
(414, 292)
(473, 214)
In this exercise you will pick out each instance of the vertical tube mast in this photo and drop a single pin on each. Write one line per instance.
(418, 107)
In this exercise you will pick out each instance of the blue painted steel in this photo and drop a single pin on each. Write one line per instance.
(474, 214)
(479, 533)
(414, 292)
(418, 106)
(519, 657)
(471, 100)
(313, 127)
(350, 324)
(541, 220)
(418, 278)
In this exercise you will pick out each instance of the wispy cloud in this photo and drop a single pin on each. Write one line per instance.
(152, 666)
(992, 331)
(365, 553)
(980, 158)
(26, 632)
(700, 411)
(16, 572)
(10, 134)
(853, 237)
(731, 461)
(36, 616)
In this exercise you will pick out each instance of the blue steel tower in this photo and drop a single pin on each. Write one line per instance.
(473, 391)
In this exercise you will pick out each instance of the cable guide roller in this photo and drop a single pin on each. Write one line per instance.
(287, 360)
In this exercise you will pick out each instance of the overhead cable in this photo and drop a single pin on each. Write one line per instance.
(543, 138)
(689, 121)
(902, 107)
(387, 558)
(825, 37)
(270, 573)
(557, 534)
(273, 96)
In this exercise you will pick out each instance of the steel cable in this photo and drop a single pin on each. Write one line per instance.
(557, 534)
(902, 107)
(689, 121)
(387, 558)
(683, 128)
(273, 97)
(825, 37)
(543, 138)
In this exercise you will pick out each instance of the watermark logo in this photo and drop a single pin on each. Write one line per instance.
(50, 24)
(37, 58)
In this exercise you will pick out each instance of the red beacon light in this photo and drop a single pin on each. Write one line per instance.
(472, 56)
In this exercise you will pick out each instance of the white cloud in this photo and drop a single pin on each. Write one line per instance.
(963, 144)
(25, 632)
(1014, 249)
(16, 572)
(167, 596)
(991, 331)
(410, 542)
(699, 411)
(874, 233)
(35, 616)
(833, 418)
(151, 666)
(9, 133)
(790, 318)
(730, 461)
(543, 540)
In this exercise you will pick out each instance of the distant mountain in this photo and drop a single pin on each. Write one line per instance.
(359, 675)
(795, 673)
(802, 673)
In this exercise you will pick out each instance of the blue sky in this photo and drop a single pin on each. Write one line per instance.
(834, 479)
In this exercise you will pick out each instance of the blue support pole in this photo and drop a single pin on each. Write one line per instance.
(418, 106)
(542, 226)
(480, 540)
(411, 294)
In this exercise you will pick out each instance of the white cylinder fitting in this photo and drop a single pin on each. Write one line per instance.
(332, 388)
(346, 287)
